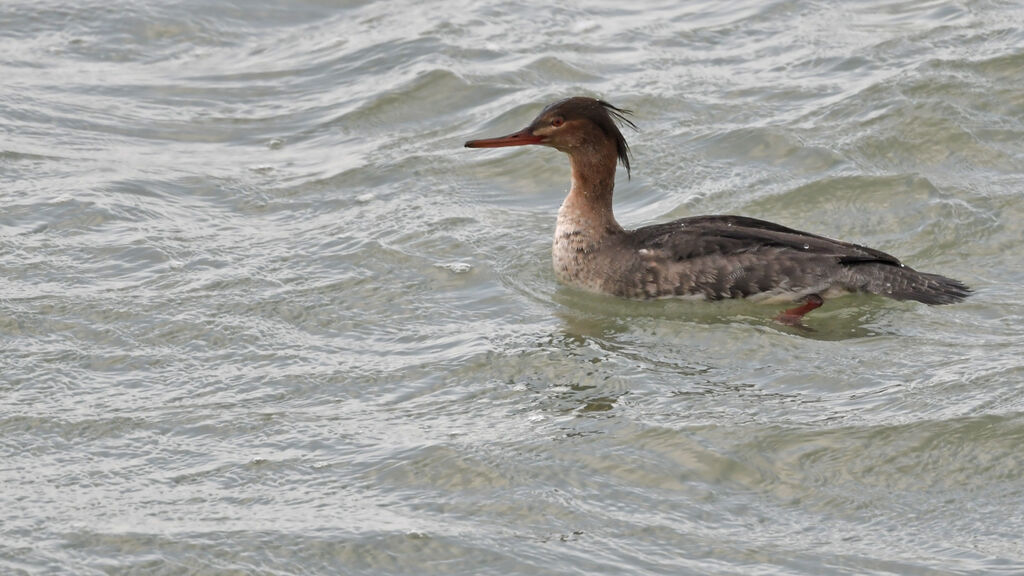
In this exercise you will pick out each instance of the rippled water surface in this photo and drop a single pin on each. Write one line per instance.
(261, 313)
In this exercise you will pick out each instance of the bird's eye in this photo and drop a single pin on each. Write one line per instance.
(557, 122)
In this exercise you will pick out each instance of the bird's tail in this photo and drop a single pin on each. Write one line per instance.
(905, 283)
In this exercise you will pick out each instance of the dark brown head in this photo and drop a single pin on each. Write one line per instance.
(573, 126)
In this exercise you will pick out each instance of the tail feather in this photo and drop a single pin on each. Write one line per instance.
(905, 283)
(933, 289)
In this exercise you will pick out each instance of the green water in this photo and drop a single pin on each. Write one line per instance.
(261, 313)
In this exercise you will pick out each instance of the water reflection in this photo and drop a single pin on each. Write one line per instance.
(601, 316)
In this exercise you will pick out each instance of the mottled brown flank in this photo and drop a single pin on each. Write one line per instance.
(718, 257)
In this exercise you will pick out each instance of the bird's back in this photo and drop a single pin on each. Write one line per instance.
(716, 257)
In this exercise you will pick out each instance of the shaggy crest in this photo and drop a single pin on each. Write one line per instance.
(601, 113)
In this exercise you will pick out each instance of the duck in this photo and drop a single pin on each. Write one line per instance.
(711, 257)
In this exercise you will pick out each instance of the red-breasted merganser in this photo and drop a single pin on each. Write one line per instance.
(710, 257)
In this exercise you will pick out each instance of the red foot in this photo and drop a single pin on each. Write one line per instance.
(794, 316)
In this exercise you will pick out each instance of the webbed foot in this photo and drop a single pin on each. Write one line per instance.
(795, 316)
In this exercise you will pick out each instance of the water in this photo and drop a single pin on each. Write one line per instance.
(261, 313)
